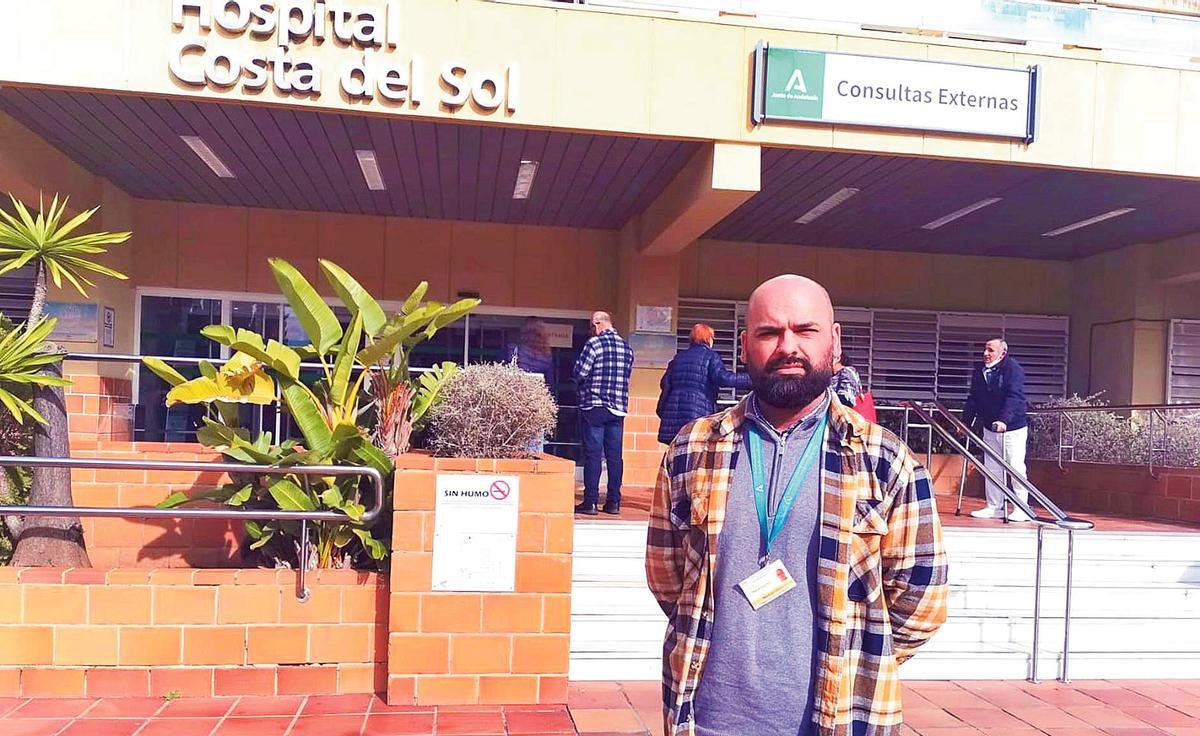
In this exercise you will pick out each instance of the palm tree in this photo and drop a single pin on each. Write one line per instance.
(46, 243)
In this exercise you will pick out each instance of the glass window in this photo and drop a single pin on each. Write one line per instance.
(265, 318)
(492, 338)
(170, 327)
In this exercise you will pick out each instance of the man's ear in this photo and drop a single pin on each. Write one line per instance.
(742, 356)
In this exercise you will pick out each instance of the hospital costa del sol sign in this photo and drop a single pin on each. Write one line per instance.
(209, 53)
(853, 89)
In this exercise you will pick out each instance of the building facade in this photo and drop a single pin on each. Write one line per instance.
(555, 158)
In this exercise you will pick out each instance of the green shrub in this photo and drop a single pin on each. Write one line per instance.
(1115, 437)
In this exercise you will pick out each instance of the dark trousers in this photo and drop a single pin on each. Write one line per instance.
(602, 432)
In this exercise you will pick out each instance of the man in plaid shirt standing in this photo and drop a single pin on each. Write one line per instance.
(794, 546)
(602, 376)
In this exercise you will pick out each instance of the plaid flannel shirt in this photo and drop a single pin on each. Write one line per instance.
(881, 574)
(602, 372)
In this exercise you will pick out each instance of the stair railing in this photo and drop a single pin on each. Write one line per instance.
(928, 413)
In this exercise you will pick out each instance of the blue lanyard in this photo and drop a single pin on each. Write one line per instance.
(811, 451)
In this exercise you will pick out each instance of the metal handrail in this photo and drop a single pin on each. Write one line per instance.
(1155, 411)
(138, 359)
(1109, 407)
(302, 592)
(1060, 520)
(131, 358)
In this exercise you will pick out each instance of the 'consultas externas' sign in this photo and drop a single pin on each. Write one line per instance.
(852, 89)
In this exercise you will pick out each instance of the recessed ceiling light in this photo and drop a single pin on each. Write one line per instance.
(947, 219)
(370, 170)
(206, 154)
(525, 175)
(830, 202)
(1090, 221)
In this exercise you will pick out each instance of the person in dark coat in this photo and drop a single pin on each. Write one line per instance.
(689, 387)
(996, 402)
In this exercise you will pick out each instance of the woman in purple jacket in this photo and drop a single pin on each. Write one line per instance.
(690, 385)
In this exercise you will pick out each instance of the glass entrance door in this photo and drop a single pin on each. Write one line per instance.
(491, 338)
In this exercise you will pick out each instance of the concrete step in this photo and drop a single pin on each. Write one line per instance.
(999, 664)
(995, 664)
(1096, 600)
(1135, 605)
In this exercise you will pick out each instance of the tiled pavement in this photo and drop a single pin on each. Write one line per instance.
(1100, 708)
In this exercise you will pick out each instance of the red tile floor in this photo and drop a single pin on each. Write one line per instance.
(1100, 708)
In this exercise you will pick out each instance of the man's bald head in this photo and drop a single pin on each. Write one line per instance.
(601, 321)
(790, 341)
(799, 294)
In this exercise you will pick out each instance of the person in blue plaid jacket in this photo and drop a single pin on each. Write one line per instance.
(602, 376)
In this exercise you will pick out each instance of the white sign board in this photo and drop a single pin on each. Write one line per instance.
(853, 89)
(560, 335)
(654, 319)
(475, 532)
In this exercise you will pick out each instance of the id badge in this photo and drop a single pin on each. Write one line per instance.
(767, 584)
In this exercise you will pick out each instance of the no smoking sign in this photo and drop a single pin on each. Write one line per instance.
(500, 490)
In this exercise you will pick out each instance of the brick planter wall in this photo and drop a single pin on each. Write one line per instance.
(113, 542)
(467, 648)
(1127, 490)
(132, 632)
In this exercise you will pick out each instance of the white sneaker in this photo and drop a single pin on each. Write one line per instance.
(987, 512)
(1018, 516)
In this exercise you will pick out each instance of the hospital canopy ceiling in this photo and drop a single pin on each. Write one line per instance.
(260, 156)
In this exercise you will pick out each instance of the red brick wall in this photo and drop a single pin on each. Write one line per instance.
(99, 409)
(1121, 489)
(113, 542)
(134, 632)
(642, 451)
(467, 648)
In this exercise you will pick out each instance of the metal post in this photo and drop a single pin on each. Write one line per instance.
(929, 451)
(302, 593)
(904, 426)
(1007, 486)
(1151, 453)
(1066, 650)
(1060, 440)
(962, 479)
(1166, 444)
(1037, 608)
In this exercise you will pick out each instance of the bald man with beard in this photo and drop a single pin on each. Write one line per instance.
(794, 547)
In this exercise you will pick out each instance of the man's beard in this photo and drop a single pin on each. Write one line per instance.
(790, 391)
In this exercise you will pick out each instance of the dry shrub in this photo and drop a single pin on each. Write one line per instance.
(491, 410)
(1112, 437)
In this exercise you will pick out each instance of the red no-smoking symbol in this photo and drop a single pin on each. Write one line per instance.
(500, 490)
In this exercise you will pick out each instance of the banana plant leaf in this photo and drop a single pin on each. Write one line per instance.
(355, 297)
(318, 320)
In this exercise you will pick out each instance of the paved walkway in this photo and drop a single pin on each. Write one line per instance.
(1100, 708)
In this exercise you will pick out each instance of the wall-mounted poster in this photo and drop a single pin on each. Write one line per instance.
(654, 319)
(76, 322)
(109, 338)
(475, 532)
(652, 351)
